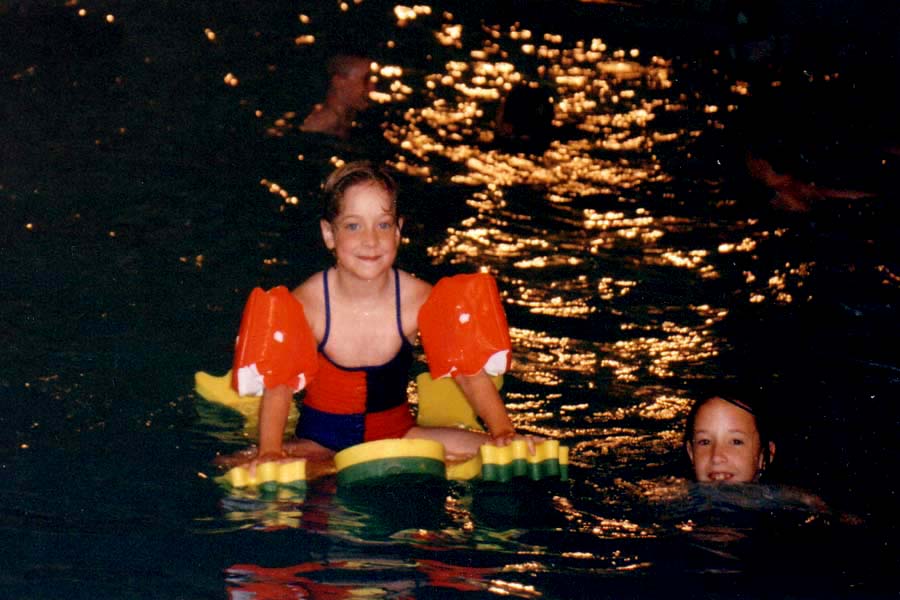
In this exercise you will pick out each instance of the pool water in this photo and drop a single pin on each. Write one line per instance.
(152, 174)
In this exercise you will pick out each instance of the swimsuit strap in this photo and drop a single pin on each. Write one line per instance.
(321, 347)
(397, 302)
(403, 339)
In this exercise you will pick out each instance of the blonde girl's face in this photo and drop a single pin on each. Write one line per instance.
(365, 235)
(725, 446)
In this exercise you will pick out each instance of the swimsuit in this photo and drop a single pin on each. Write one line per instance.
(345, 406)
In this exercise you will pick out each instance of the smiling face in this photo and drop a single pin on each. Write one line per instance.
(725, 445)
(365, 234)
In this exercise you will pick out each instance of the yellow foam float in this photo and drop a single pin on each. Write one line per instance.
(441, 403)
(269, 476)
(217, 389)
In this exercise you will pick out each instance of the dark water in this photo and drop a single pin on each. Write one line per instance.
(143, 196)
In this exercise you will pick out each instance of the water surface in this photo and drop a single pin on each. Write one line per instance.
(152, 175)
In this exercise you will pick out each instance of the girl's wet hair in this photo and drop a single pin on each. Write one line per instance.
(755, 408)
(354, 173)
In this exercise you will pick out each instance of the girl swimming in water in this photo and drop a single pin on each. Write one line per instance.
(726, 442)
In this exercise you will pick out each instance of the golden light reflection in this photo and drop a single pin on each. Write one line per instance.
(609, 288)
(526, 567)
(658, 355)
(745, 245)
(196, 260)
(591, 179)
(890, 278)
(450, 35)
(456, 129)
(783, 285)
(276, 189)
(405, 14)
(507, 588)
(663, 408)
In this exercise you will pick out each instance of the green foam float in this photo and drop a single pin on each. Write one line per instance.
(441, 403)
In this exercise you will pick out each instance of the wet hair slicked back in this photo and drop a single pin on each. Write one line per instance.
(349, 175)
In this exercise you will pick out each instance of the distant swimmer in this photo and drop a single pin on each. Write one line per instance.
(793, 194)
(349, 84)
(525, 117)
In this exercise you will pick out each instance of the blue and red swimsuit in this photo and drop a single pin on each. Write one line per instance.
(345, 406)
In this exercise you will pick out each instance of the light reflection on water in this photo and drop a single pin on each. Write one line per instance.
(609, 280)
(587, 254)
(574, 230)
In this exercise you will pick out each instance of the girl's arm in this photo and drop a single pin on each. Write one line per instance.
(488, 405)
(273, 414)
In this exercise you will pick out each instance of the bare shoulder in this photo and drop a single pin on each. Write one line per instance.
(319, 120)
(413, 291)
(305, 289)
(310, 293)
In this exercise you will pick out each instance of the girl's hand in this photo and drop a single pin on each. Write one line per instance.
(504, 439)
(267, 457)
(249, 458)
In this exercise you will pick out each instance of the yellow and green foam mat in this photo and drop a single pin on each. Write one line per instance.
(288, 476)
(441, 403)
(374, 461)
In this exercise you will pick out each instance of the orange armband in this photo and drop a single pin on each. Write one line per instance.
(274, 346)
(464, 327)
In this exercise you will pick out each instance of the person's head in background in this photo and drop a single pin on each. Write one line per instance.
(349, 84)
(525, 117)
(350, 80)
(727, 441)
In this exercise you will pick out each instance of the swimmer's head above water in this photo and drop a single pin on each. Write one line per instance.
(350, 83)
(726, 441)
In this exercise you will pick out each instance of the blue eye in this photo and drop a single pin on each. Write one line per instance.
(386, 225)
(351, 226)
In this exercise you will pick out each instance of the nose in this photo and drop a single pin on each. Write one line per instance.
(370, 237)
(718, 454)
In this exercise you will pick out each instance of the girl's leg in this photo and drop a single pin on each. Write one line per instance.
(297, 448)
(303, 448)
(459, 444)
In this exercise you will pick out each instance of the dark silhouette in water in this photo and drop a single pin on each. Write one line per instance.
(56, 33)
(525, 118)
(814, 130)
(812, 138)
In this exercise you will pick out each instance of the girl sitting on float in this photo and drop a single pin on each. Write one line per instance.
(345, 336)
